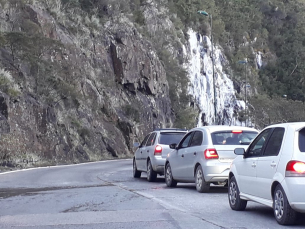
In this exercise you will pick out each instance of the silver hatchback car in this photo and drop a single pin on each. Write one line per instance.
(204, 155)
(151, 153)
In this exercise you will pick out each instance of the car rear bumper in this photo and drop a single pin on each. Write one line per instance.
(215, 171)
(294, 188)
(158, 163)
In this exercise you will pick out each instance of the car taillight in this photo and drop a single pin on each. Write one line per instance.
(210, 154)
(158, 150)
(237, 131)
(295, 169)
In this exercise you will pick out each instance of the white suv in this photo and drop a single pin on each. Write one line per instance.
(272, 172)
(151, 153)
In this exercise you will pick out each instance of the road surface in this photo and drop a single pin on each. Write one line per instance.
(105, 195)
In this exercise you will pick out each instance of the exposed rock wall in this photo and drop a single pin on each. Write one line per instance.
(78, 94)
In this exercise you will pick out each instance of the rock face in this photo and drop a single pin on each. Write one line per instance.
(205, 83)
(75, 91)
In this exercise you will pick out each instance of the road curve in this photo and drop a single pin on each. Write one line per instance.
(105, 195)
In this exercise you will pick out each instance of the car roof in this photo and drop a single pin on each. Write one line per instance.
(171, 130)
(224, 127)
(294, 125)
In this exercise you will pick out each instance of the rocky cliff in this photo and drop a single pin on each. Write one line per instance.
(74, 89)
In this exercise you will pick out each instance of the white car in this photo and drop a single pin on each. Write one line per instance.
(271, 172)
(204, 155)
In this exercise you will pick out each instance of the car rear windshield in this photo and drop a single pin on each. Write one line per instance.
(302, 140)
(168, 138)
(233, 137)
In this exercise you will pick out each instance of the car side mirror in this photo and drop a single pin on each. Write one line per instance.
(136, 144)
(173, 146)
(239, 151)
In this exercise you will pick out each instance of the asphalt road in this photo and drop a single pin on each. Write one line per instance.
(105, 195)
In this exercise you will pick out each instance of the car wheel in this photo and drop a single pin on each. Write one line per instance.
(151, 174)
(136, 172)
(169, 180)
(283, 212)
(201, 184)
(235, 202)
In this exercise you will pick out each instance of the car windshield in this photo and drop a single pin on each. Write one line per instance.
(167, 138)
(302, 140)
(233, 137)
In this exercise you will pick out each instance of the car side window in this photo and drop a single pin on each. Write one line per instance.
(186, 140)
(151, 139)
(274, 143)
(257, 145)
(302, 140)
(197, 139)
(144, 141)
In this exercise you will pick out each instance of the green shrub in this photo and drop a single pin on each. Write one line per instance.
(75, 122)
(70, 3)
(131, 112)
(139, 17)
(84, 132)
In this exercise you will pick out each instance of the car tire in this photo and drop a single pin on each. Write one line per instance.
(169, 180)
(201, 185)
(151, 174)
(282, 210)
(235, 202)
(136, 172)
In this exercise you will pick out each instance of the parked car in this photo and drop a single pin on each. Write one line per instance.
(151, 153)
(204, 155)
(271, 172)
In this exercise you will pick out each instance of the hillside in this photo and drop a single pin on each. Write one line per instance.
(81, 80)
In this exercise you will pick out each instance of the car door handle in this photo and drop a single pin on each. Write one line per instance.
(182, 155)
(273, 164)
(147, 151)
(195, 153)
(253, 165)
(141, 151)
